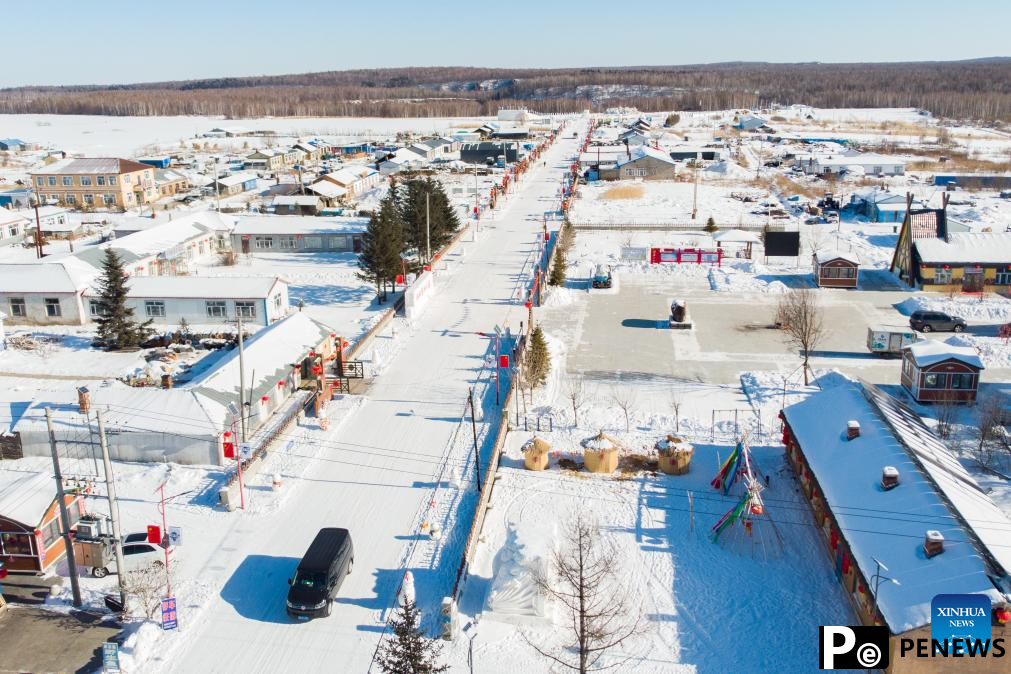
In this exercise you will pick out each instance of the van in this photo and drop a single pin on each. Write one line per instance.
(319, 575)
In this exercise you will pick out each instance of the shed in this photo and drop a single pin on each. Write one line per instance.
(30, 532)
(157, 162)
(935, 371)
(16, 198)
(835, 269)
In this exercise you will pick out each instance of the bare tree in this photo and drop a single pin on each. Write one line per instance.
(584, 582)
(145, 588)
(624, 398)
(992, 417)
(675, 404)
(577, 398)
(801, 318)
(945, 410)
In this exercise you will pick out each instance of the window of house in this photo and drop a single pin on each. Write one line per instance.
(126, 179)
(97, 308)
(15, 545)
(112, 180)
(40, 181)
(50, 532)
(935, 381)
(960, 381)
(245, 309)
(17, 305)
(99, 180)
(52, 180)
(216, 309)
(287, 242)
(1003, 278)
(85, 181)
(313, 242)
(264, 242)
(336, 242)
(277, 302)
(89, 199)
(68, 181)
(71, 199)
(154, 308)
(108, 199)
(53, 309)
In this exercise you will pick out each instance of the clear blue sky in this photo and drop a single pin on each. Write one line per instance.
(138, 41)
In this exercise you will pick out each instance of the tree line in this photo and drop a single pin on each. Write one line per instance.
(972, 90)
(414, 220)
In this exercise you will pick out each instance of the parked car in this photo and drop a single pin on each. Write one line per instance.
(138, 554)
(929, 321)
(319, 575)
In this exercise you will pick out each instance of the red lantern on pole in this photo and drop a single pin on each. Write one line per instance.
(228, 445)
(503, 361)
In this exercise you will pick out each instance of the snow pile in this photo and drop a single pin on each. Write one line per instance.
(989, 308)
(993, 351)
(557, 296)
(665, 201)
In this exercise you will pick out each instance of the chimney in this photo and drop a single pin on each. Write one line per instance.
(84, 399)
(852, 429)
(889, 477)
(933, 544)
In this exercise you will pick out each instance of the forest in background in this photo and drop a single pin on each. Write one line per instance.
(977, 90)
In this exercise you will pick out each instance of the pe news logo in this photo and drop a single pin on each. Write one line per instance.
(962, 617)
(853, 647)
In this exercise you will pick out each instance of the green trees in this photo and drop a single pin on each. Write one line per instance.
(672, 119)
(710, 226)
(538, 362)
(409, 652)
(441, 220)
(117, 328)
(382, 244)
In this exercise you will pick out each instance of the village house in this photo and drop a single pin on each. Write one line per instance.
(30, 532)
(870, 164)
(603, 155)
(487, 152)
(749, 123)
(170, 182)
(835, 269)
(297, 204)
(236, 183)
(935, 372)
(201, 300)
(357, 180)
(264, 160)
(96, 183)
(311, 154)
(297, 234)
(16, 145)
(18, 197)
(285, 363)
(851, 445)
(58, 223)
(49, 293)
(646, 163)
(329, 193)
(880, 205)
(14, 226)
(695, 152)
(971, 261)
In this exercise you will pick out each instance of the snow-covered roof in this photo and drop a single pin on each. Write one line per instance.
(199, 287)
(891, 525)
(647, 151)
(966, 248)
(856, 159)
(298, 224)
(352, 174)
(827, 254)
(25, 497)
(8, 216)
(296, 200)
(68, 275)
(928, 352)
(92, 165)
(269, 355)
(162, 235)
(327, 189)
(236, 179)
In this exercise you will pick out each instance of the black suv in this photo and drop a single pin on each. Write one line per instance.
(320, 574)
(928, 321)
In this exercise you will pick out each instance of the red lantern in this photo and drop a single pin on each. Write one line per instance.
(400, 279)
(154, 534)
(756, 509)
(265, 399)
(1003, 615)
(3, 571)
(528, 304)
(503, 361)
(835, 539)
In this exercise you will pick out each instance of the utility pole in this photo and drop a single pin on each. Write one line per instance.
(428, 231)
(38, 228)
(473, 424)
(242, 379)
(64, 515)
(217, 187)
(110, 490)
(695, 192)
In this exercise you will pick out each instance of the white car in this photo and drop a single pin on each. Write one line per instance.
(137, 554)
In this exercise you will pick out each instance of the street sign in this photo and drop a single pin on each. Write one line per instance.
(498, 330)
(175, 536)
(169, 619)
(110, 657)
(245, 451)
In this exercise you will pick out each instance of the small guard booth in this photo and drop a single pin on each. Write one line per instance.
(30, 533)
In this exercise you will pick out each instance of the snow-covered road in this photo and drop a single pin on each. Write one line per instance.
(374, 476)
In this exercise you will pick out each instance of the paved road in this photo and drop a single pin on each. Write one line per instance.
(39, 640)
(406, 422)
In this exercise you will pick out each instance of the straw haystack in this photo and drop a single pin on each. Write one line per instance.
(536, 454)
(674, 455)
(600, 453)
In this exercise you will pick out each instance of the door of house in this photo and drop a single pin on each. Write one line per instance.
(356, 244)
(245, 246)
(972, 280)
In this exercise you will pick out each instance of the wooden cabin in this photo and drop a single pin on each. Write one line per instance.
(30, 533)
(835, 269)
(933, 371)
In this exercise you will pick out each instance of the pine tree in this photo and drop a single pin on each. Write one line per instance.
(441, 218)
(117, 328)
(382, 243)
(672, 119)
(710, 225)
(557, 277)
(538, 363)
(409, 652)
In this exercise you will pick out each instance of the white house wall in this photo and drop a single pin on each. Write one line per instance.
(71, 309)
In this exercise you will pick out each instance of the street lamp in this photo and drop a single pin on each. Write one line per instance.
(876, 579)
